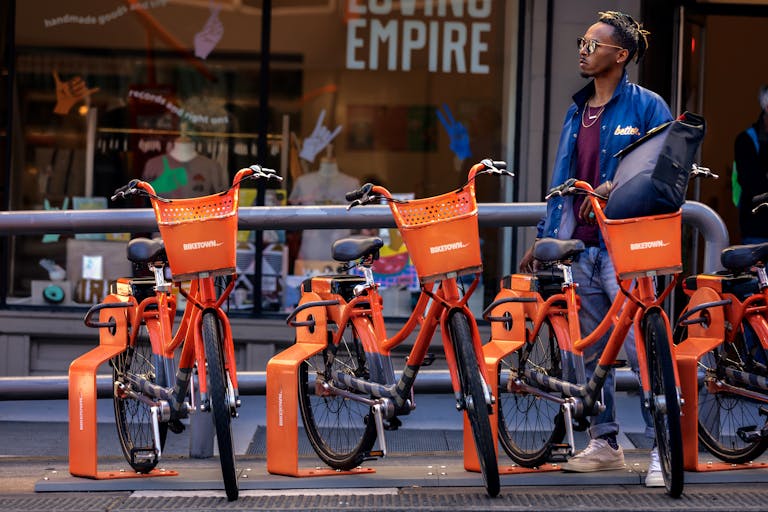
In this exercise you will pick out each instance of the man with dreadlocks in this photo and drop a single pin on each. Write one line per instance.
(609, 113)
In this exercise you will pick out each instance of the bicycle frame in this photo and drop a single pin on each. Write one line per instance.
(753, 309)
(366, 314)
(158, 313)
(627, 310)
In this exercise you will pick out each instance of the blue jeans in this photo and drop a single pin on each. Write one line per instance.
(597, 288)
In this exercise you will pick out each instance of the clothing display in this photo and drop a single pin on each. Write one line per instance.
(182, 172)
(326, 186)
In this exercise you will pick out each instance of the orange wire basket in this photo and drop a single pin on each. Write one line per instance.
(644, 246)
(441, 234)
(200, 234)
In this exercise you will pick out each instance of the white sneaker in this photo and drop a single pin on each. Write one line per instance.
(597, 456)
(654, 478)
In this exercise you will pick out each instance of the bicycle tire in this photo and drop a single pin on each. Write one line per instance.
(474, 398)
(666, 417)
(529, 425)
(340, 430)
(722, 414)
(218, 393)
(133, 418)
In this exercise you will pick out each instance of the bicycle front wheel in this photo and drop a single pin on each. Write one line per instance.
(220, 402)
(722, 414)
(133, 417)
(664, 403)
(528, 424)
(340, 429)
(473, 393)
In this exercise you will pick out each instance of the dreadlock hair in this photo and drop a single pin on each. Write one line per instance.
(629, 34)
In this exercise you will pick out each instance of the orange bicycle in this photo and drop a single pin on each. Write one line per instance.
(152, 395)
(543, 392)
(348, 390)
(725, 324)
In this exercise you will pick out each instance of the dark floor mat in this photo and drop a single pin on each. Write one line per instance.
(640, 441)
(398, 441)
(52, 439)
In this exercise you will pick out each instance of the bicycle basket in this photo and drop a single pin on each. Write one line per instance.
(200, 234)
(441, 234)
(644, 246)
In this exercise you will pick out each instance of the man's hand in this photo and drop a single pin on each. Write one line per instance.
(528, 263)
(70, 92)
(585, 210)
(320, 138)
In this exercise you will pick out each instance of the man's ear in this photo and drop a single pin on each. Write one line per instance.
(621, 58)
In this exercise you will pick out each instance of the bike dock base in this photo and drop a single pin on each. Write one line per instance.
(502, 343)
(83, 427)
(701, 339)
(282, 393)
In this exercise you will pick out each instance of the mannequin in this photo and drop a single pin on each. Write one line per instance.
(327, 185)
(183, 149)
(183, 172)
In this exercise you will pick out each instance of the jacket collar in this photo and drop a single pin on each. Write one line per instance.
(581, 97)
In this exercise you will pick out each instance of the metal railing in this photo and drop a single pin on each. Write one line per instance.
(698, 215)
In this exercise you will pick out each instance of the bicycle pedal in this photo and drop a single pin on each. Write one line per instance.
(176, 426)
(374, 455)
(559, 452)
(749, 434)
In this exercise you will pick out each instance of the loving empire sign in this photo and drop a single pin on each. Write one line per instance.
(450, 36)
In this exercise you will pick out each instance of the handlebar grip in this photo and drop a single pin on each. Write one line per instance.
(359, 193)
(760, 198)
(500, 164)
(121, 192)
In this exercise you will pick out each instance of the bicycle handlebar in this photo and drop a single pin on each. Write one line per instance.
(370, 193)
(136, 186)
(570, 186)
(761, 200)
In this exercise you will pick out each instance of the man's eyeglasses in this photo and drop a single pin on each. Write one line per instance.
(591, 45)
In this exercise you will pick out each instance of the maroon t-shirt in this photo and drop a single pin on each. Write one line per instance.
(587, 169)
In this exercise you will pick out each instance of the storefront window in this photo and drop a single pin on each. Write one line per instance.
(403, 93)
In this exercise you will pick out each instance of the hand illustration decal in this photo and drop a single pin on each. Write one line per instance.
(170, 179)
(212, 32)
(457, 133)
(320, 138)
(70, 92)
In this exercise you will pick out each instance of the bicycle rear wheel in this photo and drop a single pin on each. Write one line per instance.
(220, 398)
(664, 403)
(530, 425)
(722, 414)
(474, 399)
(133, 417)
(341, 430)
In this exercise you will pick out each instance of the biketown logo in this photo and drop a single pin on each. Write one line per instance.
(627, 130)
(652, 244)
(436, 249)
(206, 244)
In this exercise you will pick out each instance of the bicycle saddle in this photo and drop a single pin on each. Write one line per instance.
(145, 250)
(356, 247)
(552, 249)
(739, 257)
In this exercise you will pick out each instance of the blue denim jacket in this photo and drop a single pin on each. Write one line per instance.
(630, 114)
